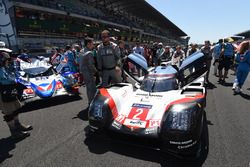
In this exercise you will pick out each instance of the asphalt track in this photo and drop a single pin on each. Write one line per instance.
(58, 138)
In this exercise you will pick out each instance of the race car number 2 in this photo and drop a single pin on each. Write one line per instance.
(138, 113)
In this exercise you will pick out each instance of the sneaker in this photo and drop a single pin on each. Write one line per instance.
(234, 86)
(237, 90)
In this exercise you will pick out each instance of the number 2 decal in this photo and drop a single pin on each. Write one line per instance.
(138, 113)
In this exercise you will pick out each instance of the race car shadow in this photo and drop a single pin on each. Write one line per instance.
(83, 115)
(210, 85)
(45, 103)
(103, 144)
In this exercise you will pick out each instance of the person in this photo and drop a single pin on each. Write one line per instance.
(216, 55)
(192, 50)
(206, 50)
(138, 49)
(76, 51)
(56, 57)
(87, 68)
(69, 59)
(24, 56)
(177, 57)
(154, 55)
(225, 60)
(10, 107)
(243, 57)
(159, 53)
(167, 55)
(124, 63)
(108, 60)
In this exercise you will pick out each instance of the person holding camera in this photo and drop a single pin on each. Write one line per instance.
(9, 103)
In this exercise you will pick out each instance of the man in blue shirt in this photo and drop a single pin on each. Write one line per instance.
(216, 55)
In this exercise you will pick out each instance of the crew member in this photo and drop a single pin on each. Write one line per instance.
(108, 60)
(87, 68)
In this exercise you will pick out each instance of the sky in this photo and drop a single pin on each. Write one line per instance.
(206, 19)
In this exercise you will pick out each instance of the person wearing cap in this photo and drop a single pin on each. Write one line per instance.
(87, 68)
(207, 51)
(108, 60)
(11, 106)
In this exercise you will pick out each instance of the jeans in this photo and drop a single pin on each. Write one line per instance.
(241, 77)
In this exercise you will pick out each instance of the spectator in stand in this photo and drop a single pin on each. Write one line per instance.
(216, 55)
(177, 57)
(225, 60)
(243, 58)
(206, 50)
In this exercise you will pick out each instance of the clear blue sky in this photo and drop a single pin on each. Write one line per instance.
(206, 19)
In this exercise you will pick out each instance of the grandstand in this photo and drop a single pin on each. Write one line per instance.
(39, 23)
(245, 34)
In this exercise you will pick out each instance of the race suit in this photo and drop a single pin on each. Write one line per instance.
(88, 71)
(108, 58)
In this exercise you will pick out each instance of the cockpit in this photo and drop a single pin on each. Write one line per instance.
(160, 79)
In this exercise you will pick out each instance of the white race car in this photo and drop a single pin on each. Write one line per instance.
(167, 106)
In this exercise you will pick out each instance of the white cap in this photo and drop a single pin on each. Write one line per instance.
(160, 44)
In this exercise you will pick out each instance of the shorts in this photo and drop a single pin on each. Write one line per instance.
(225, 63)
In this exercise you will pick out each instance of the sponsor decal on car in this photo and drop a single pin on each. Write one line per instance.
(150, 131)
(120, 118)
(117, 125)
(135, 123)
(154, 123)
(136, 105)
(183, 144)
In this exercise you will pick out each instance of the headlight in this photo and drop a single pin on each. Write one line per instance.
(181, 116)
(98, 110)
(180, 120)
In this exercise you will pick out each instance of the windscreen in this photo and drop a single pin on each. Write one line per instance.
(154, 84)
